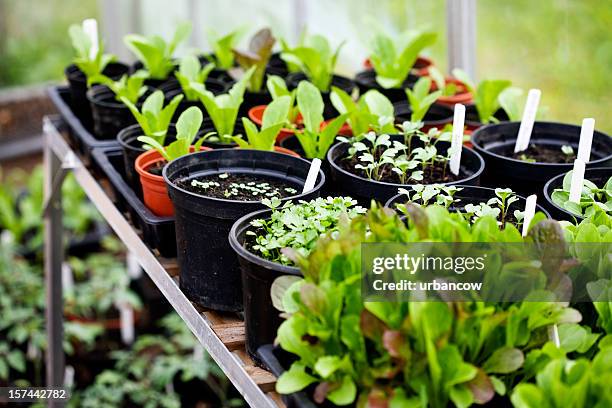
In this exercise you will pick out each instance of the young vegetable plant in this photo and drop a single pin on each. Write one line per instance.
(187, 128)
(420, 99)
(447, 88)
(130, 87)
(314, 140)
(223, 55)
(278, 88)
(258, 56)
(191, 71)
(393, 61)
(486, 95)
(274, 119)
(155, 53)
(223, 109)
(316, 58)
(373, 111)
(91, 67)
(592, 198)
(295, 228)
(154, 118)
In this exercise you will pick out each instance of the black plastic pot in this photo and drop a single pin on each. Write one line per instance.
(252, 99)
(366, 80)
(209, 272)
(157, 232)
(597, 175)
(341, 82)
(472, 120)
(216, 73)
(470, 195)
(437, 115)
(261, 319)
(132, 148)
(364, 190)
(78, 86)
(109, 115)
(156, 82)
(173, 88)
(277, 66)
(496, 144)
(208, 126)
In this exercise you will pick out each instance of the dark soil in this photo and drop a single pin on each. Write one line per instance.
(240, 187)
(544, 154)
(157, 168)
(436, 173)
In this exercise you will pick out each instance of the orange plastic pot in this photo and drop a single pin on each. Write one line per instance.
(154, 190)
(345, 130)
(421, 66)
(256, 115)
(462, 96)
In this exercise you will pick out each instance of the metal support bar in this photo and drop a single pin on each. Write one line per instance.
(232, 367)
(52, 195)
(461, 33)
(53, 258)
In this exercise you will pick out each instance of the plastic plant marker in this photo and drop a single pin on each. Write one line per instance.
(530, 207)
(133, 266)
(553, 335)
(90, 27)
(577, 181)
(586, 139)
(68, 376)
(529, 116)
(311, 178)
(67, 277)
(126, 318)
(457, 139)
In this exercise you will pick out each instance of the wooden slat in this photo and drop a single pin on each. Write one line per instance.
(231, 334)
(263, 378)
(276, 398)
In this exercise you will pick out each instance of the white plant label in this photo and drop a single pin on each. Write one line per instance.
(529, 116)
(586, 139)
(90, 27)
(313, 172)
(457, 138)
(133, 266)
(67, 277)
(530, 208)
(553, 335)
(126, 317)
(69, 376)
(577, 181)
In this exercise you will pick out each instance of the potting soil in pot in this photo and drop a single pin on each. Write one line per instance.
(544, 154)
(241, 187)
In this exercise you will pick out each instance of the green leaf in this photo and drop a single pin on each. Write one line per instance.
(293, 380)
(280, 294)
(310, 103)
(504, 361)
(188, 124)
(276, 112)
(345, 394)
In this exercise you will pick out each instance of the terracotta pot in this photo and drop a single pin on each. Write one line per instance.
(420, 67)
(345, 130)
(256, 115)
(462, 96)
(154, 189)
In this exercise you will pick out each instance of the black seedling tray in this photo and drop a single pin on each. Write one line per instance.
(157, 232)
(79, 128)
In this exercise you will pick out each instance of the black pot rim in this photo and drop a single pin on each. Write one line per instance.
(362, 78)
(476, 174)
(349, 83)
(123, 133)
(568, 166)
(251, 257)
(317, 186)
(171, 86)
(435, 105)
(75, 74)
(539, 206)
(548, 189)
(96, 90)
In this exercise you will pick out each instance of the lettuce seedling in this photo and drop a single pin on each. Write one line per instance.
(314, 140)
(154, 118)
(191, 71)
(223, 109)
(447, 89)
(130, 87)
(187, 128)
(278, 88)
(223, 55)
(91, 67)
(258, 56)
(316, 58)
(297, 227)
(592, 198)
(420, 99)
(274, 119)
(486, 95)
(393, 61)
(373, 111)
(155, 53)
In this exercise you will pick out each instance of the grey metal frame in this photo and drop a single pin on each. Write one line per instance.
(461, 35)
(58, 159)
